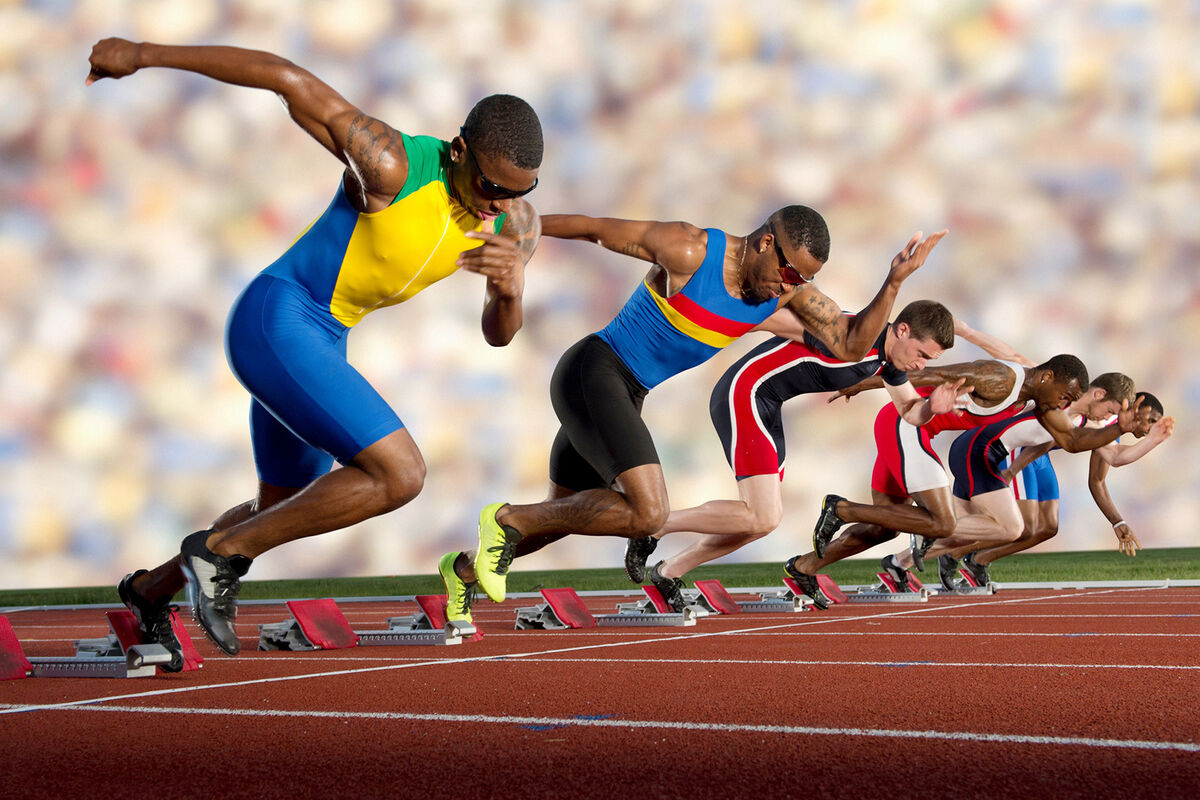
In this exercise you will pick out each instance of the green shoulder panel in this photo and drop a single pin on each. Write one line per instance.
(426, 162)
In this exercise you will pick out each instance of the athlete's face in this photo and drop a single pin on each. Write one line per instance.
(1101, 407)
(487, 186)
(1053, 393)
(909, 353)
(778, 269)
(1145, 421)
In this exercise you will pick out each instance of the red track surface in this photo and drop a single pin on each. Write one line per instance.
(1083, 693)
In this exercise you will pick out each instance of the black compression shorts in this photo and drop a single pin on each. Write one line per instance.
(599, 403)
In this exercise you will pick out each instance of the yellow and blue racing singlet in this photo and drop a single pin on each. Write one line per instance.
(353, 262)
(658, 336)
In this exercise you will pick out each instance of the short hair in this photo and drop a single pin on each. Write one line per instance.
(1151, 402)
(803, 227)
(504, 126)
(1115, 385)
(1067, 368)
(929, 319)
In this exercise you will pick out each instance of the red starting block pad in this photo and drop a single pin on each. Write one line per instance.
(125, 628)
(830, 589)
(712, 594)
(315, 625)
(563, 609)
(13, 663)
(428, 626)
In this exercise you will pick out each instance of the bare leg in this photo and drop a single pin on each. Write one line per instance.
(381, 478)
(637, 506)
(932, 516)
(1041, 525)
(996, 520)
(852, 540)
(166, 580)
(723, 526)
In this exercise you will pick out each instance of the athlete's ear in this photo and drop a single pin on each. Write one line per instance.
(902, 330)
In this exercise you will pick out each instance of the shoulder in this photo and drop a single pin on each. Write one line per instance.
(679, 246)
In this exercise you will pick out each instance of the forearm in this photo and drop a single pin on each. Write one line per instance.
(1079, 440)
(1099, 489)
(1131, 453)
(865, 326)
(502, 318)
(917, 412)
(254, 68)
(993, 346)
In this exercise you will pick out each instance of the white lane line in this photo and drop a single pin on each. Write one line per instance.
(501, 656)
(586, 722)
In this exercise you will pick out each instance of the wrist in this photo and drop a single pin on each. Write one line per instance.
(1119, 523)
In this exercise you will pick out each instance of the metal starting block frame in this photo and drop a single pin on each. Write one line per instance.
(428, 626)
(109, 657)
(886, 591)
(563, 609)
(786, 600)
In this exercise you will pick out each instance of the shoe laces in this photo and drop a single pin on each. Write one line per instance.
(506, 550)
(226, 586)
(466, 597)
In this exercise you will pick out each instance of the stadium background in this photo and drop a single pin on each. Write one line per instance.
(1059, 142)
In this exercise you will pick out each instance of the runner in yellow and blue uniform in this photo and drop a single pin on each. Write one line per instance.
(410, 211)
(705, 289)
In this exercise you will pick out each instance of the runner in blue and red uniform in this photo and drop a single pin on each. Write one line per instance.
(705, 290)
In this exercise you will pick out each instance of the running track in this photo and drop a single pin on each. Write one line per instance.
(1026, 693)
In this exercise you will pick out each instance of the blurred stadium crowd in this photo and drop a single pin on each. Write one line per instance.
(1059, 142)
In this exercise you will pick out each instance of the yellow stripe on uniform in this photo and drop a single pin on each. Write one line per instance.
(689, 328)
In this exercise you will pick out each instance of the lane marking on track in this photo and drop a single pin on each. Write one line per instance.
(714, 727)
(509, 656)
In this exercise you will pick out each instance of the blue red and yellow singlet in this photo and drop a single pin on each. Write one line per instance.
(658, 337)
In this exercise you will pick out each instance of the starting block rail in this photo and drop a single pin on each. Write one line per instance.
(886, 591)
(428, 626)
(653, 610)
(564, 609)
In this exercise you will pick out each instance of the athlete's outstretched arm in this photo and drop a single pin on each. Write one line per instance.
(1127, 542)
(990, 380)
(994, 347)
(370, 149)
(1118, 455)
(677, 246)
(849, 338)
(1076, 440)
(1026, 457)
(917, 410)
(502, 259)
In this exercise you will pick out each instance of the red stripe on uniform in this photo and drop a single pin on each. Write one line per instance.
(707, 319)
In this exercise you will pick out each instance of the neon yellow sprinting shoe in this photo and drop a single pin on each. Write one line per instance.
(459, 593)
(497, 546)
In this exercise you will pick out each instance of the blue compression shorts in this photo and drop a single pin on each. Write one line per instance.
(309, 405)
(1037, 481)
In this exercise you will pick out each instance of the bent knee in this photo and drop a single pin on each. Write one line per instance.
(943, 526)
(399, 489)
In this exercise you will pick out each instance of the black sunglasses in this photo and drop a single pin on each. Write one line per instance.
(790, 274)
(494, 189)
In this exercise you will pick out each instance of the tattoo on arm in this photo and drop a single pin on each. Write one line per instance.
(524, 226)
(368, 142)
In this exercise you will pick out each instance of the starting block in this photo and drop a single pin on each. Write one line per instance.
(121, 654)
(711, 596)
(652, 610)
(968, 585)
(886, 591)
(428, 626)
(315, 625)
(563, 609)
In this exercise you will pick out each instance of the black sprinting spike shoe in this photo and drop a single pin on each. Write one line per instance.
(948, 572)
(153, 619)
(636, 553)
(918, 546)
(807, 583)
(978, 572)
(670, 588)
(213, 585)
(896, 572)
(827, 524)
